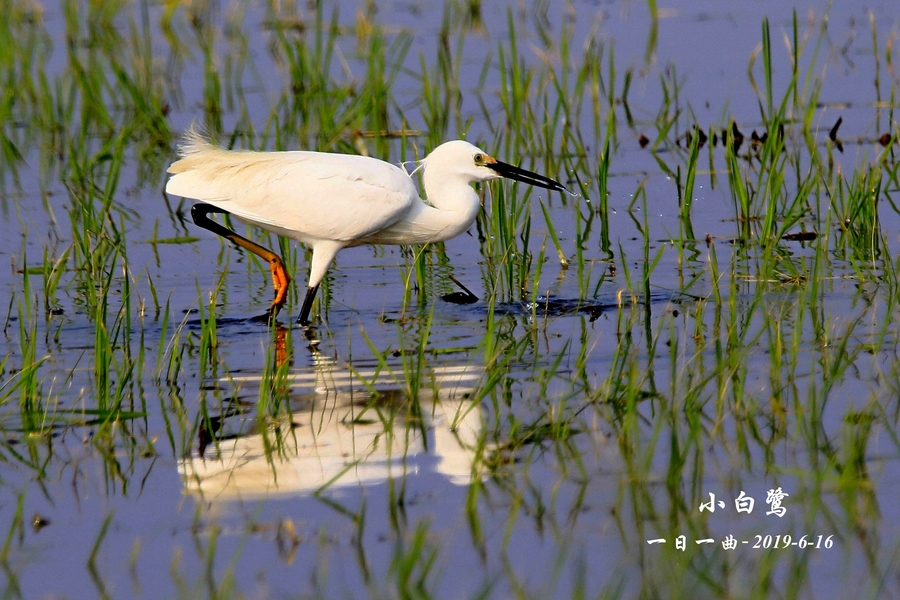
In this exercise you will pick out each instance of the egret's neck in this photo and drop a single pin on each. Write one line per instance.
(451, 210)
(454, 196)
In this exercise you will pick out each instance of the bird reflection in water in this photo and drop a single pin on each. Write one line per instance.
(348, 426)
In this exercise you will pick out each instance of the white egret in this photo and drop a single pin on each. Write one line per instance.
(334, 201)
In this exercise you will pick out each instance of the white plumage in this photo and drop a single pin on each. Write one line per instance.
(334, 201)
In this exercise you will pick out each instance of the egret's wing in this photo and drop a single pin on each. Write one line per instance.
(305, 194)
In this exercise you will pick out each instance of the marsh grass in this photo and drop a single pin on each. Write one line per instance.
(745, 359)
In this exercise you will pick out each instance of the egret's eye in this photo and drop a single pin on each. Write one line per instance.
(479, 159)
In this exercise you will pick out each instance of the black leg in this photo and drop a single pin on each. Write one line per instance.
(307, 305)
(280, 278)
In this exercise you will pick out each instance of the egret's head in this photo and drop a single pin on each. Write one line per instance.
(462, 158)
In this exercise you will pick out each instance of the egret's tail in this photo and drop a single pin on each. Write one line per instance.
(202, 162)
(210, 173)
(195, 141)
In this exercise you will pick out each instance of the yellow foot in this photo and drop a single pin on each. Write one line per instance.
(280, 281)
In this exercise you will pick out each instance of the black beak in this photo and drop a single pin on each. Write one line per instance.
(506, 170)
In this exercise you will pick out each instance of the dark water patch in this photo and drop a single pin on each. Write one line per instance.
(234, 324)
(553, 306)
